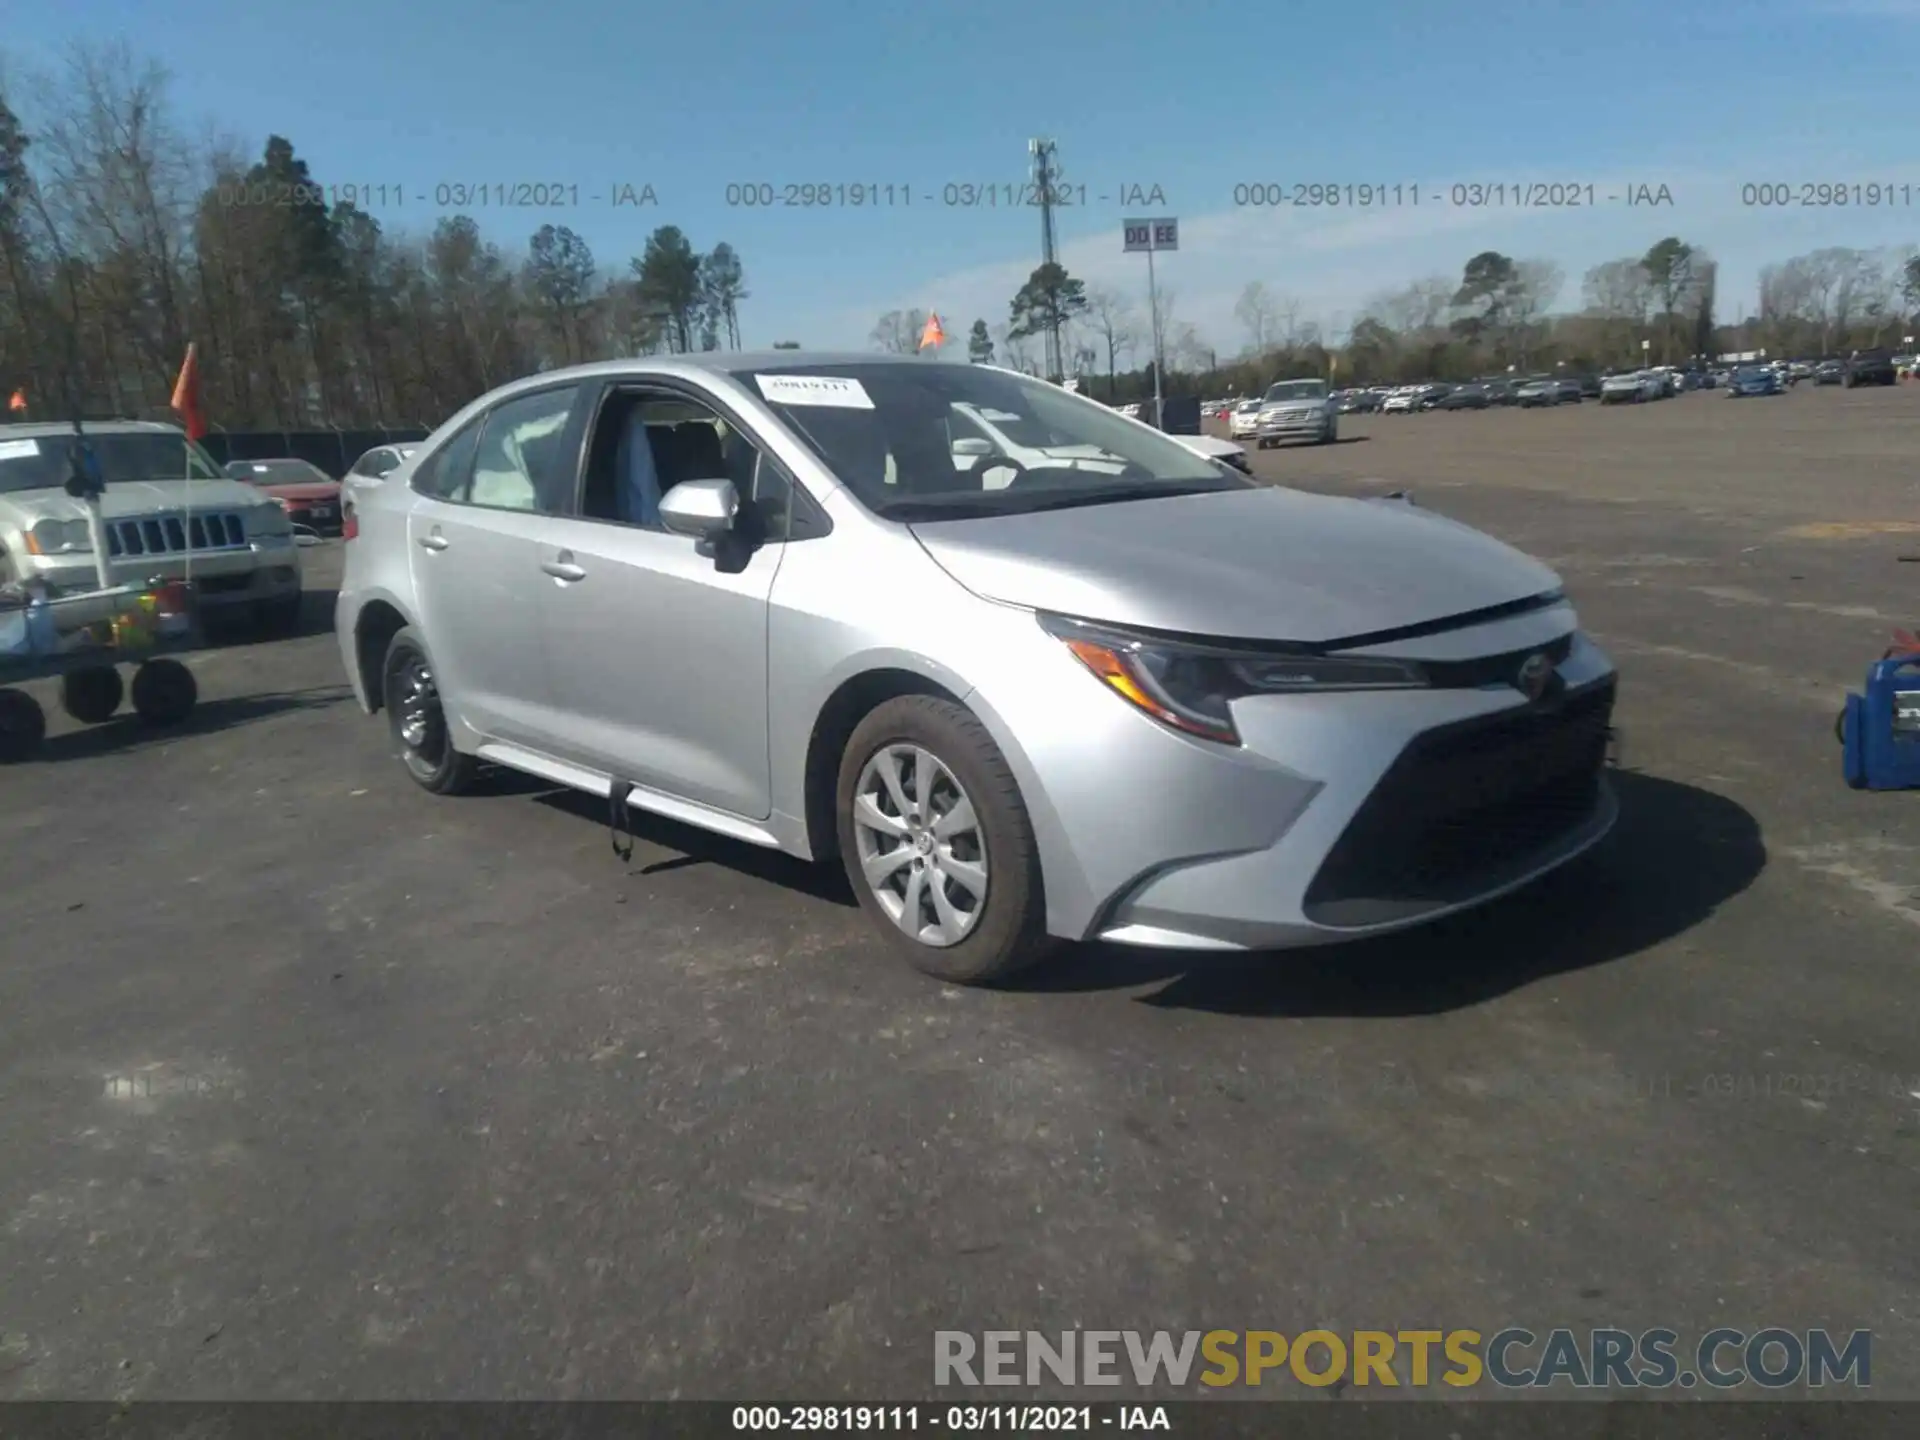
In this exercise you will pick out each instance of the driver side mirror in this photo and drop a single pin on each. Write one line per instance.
(974, 445)
(700, 509)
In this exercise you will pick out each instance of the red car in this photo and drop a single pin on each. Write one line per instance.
(307, 493)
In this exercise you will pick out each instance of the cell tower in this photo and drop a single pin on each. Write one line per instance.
(1046, 178)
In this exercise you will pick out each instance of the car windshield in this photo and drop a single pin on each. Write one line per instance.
(42, 463)
(278, 472)
(1247, 406)
(950, 441)
(1297, 390)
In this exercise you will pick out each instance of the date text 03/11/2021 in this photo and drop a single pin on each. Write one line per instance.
(954, 195)
(1468, 195)
(443, 195)
(956, 1419)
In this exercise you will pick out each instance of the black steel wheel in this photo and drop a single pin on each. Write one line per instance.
(417, 720)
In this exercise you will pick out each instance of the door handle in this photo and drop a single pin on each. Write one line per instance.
(563, 570)
(435, 541)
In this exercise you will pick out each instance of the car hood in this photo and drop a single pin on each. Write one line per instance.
(1209, 445)
(125, 499)
(1260, 564)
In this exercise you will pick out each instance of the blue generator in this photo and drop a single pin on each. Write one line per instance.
(1880, 730)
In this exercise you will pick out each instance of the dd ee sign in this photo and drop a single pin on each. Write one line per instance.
(1140, 235)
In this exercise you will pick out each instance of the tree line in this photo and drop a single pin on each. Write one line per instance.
(1660, 307)
(120, 242)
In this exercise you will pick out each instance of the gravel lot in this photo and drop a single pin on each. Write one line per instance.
(313, 1086)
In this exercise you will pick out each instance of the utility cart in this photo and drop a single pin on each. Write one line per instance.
(86, 640)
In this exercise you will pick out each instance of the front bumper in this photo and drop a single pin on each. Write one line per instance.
(267, 569)
(1341, 816)
(1316, 427)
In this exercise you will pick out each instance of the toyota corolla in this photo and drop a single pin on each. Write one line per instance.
(1021, 701)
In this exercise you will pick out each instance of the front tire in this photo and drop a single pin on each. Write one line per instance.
(937, 843)
(417, 720)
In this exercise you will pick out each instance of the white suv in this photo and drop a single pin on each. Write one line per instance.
(169, 513)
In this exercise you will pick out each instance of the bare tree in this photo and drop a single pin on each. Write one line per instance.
(1619, 295)
(1536, 285)
(1417, 309)
(1110, 319)
(1185, 347)
(1257, 312)
(898, 331)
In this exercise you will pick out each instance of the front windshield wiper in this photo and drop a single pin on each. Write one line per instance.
(1012, 502)
(1106, 495)
(955, 509)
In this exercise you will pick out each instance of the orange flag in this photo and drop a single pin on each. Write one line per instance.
(18, 404)
(933, 334)
(186, 396)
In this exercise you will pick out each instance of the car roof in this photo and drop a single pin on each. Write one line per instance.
(701, 366)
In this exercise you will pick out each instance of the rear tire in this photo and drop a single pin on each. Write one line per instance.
(92, 695)
(417, 720)
(964, 904)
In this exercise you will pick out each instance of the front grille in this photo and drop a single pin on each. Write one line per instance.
(177, 534)
(1466, 808)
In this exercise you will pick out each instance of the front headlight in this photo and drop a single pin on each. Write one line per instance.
(60, 537)
(268, 521)
(1192, 687)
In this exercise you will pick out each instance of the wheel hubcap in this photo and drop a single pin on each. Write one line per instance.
(921, 847)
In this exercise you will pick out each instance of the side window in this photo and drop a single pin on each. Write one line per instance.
(447, 474)
(521, 463)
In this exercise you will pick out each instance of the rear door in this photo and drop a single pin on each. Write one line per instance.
(482, 516)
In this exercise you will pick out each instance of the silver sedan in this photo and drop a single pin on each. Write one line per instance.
(1132, 694)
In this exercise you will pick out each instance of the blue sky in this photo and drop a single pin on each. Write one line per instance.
(1194, 99)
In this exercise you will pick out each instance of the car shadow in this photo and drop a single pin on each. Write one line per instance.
(231, 626)
(694, 846)
(126, 731)
(1676, 855)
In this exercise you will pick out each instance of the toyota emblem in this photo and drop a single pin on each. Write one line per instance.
(1536, 673)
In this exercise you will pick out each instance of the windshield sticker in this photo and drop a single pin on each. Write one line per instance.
(1001, 417)
(835, 391)
(18, 449)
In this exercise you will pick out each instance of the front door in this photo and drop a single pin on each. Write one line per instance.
(658, 644)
